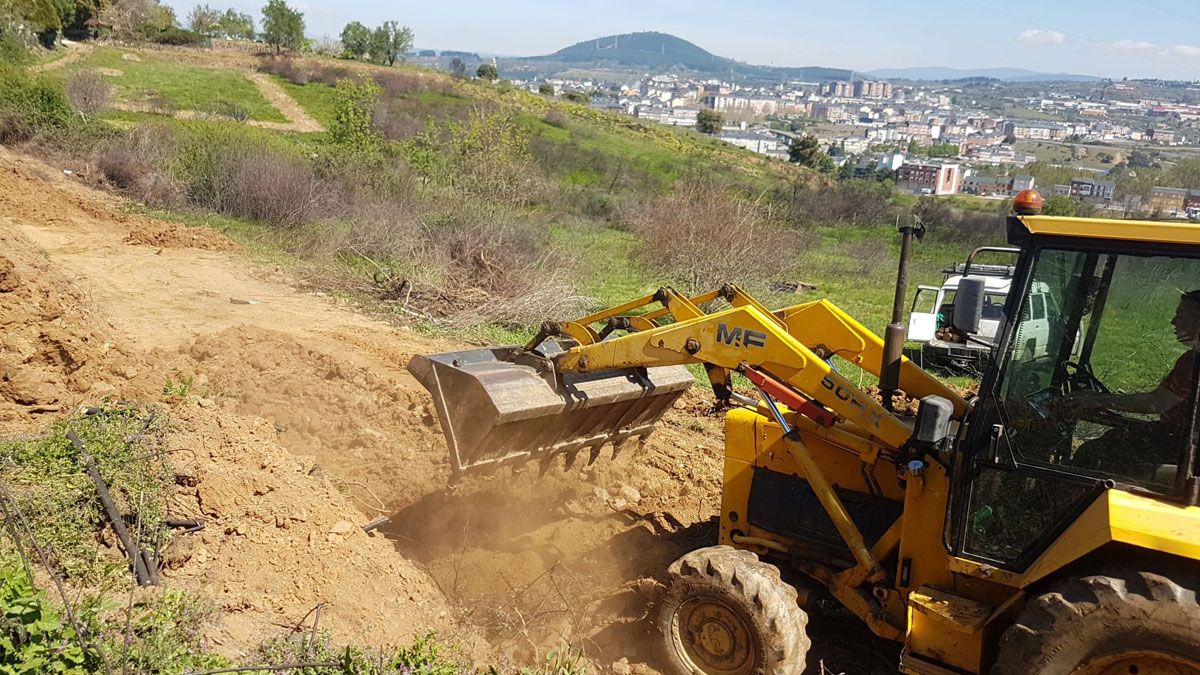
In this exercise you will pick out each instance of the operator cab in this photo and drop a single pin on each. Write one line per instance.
(1094, 387)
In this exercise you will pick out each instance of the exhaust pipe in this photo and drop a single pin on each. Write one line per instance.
(893, 337)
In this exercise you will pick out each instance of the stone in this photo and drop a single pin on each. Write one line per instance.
(342, 527)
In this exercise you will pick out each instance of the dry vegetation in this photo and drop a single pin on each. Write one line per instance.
(701, 241)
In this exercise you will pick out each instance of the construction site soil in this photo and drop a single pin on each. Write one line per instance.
(296, 420)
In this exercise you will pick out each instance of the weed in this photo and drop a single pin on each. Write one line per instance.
(180, 389)
(33, 635)
(48, 483)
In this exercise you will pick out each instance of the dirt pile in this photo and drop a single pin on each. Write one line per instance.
(572, 556)
(52, 347)
(280, 539)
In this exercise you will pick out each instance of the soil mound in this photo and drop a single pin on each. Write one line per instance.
(52, 347)
(280, 539)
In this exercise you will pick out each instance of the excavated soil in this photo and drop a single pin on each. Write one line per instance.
(299, 424)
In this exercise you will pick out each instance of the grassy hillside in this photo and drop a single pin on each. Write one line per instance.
(457, 171)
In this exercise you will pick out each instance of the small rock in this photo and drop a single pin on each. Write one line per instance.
(342, 527)
(622, 667)
(130, 373)
(204, 402)
(630, 494)
(600, 492)
(9, 279)
(201, 556)
(102, 387)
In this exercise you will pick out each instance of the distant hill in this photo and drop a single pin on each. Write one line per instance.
(1002, 74)
(660, 52)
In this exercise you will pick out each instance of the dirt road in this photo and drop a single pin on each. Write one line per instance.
(295, 407)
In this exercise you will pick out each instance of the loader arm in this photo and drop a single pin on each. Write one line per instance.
(734, 339)
(802, 338)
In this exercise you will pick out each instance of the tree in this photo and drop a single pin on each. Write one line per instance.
(283, 27)
(580, 97)
(356, 39)
(1060, 205)
(808, 152)
(353, 107)
(236, 25)
(390, 42)
(486, 71)
(205, 20)
(136, 19)
(458, 67)
(709, 121)
(546, 89)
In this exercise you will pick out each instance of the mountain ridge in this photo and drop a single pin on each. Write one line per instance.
(654, 50)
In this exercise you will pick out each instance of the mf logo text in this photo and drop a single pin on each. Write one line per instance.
(738, 336)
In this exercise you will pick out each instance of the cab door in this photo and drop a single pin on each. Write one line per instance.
(1036, 456)
(922, 316)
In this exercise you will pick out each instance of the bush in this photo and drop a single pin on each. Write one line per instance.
(12, 49)
(229, 110)
(556, 118)
(136, 163)
(353, 104)
(88, 92)
(853, 202)
(699, 238)
(31, 108)
(178, 37)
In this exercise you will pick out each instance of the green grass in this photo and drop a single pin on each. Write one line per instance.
(315, 97)
(185, 86)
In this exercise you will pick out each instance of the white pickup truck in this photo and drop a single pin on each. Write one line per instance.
(929, 318)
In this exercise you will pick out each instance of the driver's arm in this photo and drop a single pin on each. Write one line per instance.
(1155, 402)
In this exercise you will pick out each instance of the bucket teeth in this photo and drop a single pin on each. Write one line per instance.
(505, 405)
(594, 454)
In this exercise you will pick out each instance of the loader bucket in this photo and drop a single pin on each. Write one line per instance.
(505, 405)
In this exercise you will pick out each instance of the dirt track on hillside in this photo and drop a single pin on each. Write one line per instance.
(301, 423)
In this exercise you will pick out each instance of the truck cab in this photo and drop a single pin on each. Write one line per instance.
(932, 309)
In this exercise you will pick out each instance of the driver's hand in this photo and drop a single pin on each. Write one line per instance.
(1079, 401)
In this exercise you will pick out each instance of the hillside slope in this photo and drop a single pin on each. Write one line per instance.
(300, 423)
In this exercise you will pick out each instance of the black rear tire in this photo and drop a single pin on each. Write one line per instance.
(1116, 621)
(725, 612)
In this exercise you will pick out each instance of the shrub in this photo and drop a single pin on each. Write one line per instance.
(136, 163)
(229, 110)
(88, 91)
(699, 239)
(178, 37)
(555, 118)
(29, 108)
(276, 188)
(353, 105)
(853, 202)
(13, 49)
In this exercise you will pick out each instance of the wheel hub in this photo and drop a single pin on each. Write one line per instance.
(1140, 663)
(714, 637)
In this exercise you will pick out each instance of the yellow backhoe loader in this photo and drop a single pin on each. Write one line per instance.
(1049, 524)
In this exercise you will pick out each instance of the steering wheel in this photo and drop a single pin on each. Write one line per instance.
(1080, 377)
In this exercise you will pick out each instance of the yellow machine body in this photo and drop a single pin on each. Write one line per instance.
(850, 504)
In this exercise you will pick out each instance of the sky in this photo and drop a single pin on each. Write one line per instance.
(1111, 38)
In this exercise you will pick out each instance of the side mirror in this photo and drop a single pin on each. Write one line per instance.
(932, 425)
(968, 305)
